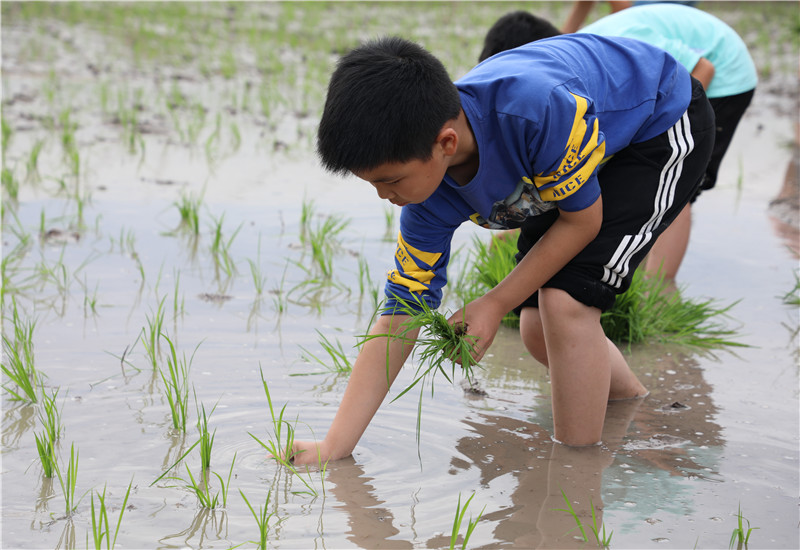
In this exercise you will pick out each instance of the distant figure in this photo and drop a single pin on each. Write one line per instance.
(581, 9)
(710, 49)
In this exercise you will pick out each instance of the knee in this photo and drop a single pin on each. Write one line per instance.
(530, 328)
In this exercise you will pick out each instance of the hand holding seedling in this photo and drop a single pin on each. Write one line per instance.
(481, 319)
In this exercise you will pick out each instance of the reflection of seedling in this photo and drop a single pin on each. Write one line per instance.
(471, 524)
(100, 525)
(340, 361)
(262, 519)
(281, 449)
(740, 536)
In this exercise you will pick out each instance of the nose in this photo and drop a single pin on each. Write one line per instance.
(383, 191)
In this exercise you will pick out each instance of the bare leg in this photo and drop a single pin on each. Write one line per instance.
(624, 384)
(670, 247)
(586, 369)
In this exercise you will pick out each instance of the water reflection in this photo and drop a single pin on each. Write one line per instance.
(650, 448)
(370, 525)
(206, 527)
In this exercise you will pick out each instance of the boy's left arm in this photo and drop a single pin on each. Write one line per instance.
(568, 235)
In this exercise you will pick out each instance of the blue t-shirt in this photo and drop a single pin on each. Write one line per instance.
(544, 117)
(687, 34)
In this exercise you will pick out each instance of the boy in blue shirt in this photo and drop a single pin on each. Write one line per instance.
(590, 146)
(706, 46)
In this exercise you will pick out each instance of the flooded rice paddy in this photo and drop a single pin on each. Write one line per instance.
(115, 115)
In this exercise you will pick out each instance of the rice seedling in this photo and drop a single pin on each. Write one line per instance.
(459, 519)
(189, 210)
(280, 299)
(281, 449)
(32, 162)
(741, 535)
(18, 361)
(324, 242)
(488, 264)
(390, 233)
(176, 384)
(438, 341)
(151, 334)
(259, 279)
(49, 415)
(602, 539)
(792, 298)
(339, 362)
(100, 524)
(262, 520)
(201, 487)
(47, 455)
(10, 184)
(7, 132)
(69, 481)
(646, 311)
(220, 247)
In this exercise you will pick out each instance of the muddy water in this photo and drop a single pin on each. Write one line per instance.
(719, 429)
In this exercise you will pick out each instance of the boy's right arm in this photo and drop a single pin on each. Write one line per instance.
(375, 368)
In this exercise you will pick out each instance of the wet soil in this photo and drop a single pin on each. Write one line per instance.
(93, 258)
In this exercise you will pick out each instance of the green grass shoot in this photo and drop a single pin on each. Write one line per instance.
(151, 334)
(176, 384)
(100, 524)
(459, 519)
(69, 481)
(741, 535)
(438, 343)
(280, 446)
(647, 312)
(18, 360)
(339, 361)
(602, 538)
(189, 210)
(792, 298)
(47, 454)
(49, 414)
(262, 518)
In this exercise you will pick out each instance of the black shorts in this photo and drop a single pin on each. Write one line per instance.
(728, 111)
(643, 187)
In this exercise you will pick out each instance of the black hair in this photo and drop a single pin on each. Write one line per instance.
(387, 101)
(515, 29)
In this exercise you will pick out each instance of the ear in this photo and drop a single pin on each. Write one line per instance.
(447, 139)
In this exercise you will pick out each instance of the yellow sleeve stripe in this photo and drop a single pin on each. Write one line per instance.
(429, 258)
(418, 278)
(567, 187)
(574, 157)
(414, 286)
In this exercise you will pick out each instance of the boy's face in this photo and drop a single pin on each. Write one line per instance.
(403, 183)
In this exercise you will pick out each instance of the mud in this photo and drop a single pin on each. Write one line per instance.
(91, 257)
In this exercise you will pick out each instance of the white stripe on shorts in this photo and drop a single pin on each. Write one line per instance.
(680, 138)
